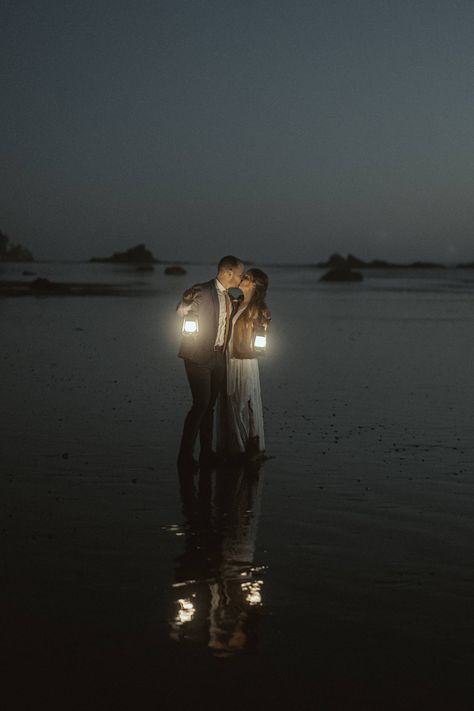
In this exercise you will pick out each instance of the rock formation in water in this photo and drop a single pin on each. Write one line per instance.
(175, 270)
(43, 285)
(337, 261)
(135, 255)
(342, 274)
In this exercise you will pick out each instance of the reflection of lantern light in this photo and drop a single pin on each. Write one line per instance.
(190, 326)
(253, 592)
(186, 611)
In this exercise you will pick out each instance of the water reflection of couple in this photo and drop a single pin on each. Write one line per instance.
(218, 589)
(221, 362)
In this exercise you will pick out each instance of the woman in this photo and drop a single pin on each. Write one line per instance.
(241, 406)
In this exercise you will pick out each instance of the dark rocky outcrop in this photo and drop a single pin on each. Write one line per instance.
(465, 265)
(135, 255)
(381, 264)
(342, 274)
(337, 261)
(10, 252)
(175, 270)
(43, 285)
(354, 263)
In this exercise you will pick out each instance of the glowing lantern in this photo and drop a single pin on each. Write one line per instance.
(260, 342)
(190, 326)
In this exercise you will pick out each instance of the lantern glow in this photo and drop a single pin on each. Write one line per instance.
(190, 326)
(253, 592)
(186, 611)
(260, 342)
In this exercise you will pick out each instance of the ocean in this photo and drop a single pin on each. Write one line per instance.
(338, 576)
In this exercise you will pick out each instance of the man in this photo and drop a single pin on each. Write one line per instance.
(204, 356)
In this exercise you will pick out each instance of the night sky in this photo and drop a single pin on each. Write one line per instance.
(277, 130)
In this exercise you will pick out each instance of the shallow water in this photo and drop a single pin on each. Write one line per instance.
(338, 576)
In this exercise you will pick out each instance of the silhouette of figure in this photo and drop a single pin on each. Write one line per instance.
(218, 588)
(203, 353)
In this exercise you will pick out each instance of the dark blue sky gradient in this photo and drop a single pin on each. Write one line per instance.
(281, 131)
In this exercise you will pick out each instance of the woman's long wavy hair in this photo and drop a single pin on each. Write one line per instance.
(257, 310)
(256, 315)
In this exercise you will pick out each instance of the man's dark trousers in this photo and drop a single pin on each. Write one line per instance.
(205, 382)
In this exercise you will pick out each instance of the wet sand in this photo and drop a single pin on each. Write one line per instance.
(339, 576)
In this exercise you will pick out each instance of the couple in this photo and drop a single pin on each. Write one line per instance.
(221, 361)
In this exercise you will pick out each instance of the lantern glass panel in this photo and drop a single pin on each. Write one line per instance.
(190, 326)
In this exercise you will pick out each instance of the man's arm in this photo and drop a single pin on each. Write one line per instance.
(189, 301)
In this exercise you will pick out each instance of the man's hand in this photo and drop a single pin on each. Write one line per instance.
(189, 300)
(188, 296)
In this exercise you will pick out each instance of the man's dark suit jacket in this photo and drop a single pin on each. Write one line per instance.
(205, 305)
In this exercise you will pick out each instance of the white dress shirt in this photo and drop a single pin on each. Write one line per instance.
(222, 295)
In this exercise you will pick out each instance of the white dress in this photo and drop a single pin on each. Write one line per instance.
(241, 417)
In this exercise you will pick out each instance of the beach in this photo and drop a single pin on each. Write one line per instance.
(338, 576)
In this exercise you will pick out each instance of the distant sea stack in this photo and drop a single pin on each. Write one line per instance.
(336, 261)
(10, 252)
(175, 270)
(343, 274)
(135, 255)
(341, 269)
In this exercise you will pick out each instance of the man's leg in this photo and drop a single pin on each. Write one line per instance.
(199, 379)
(207, 423)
